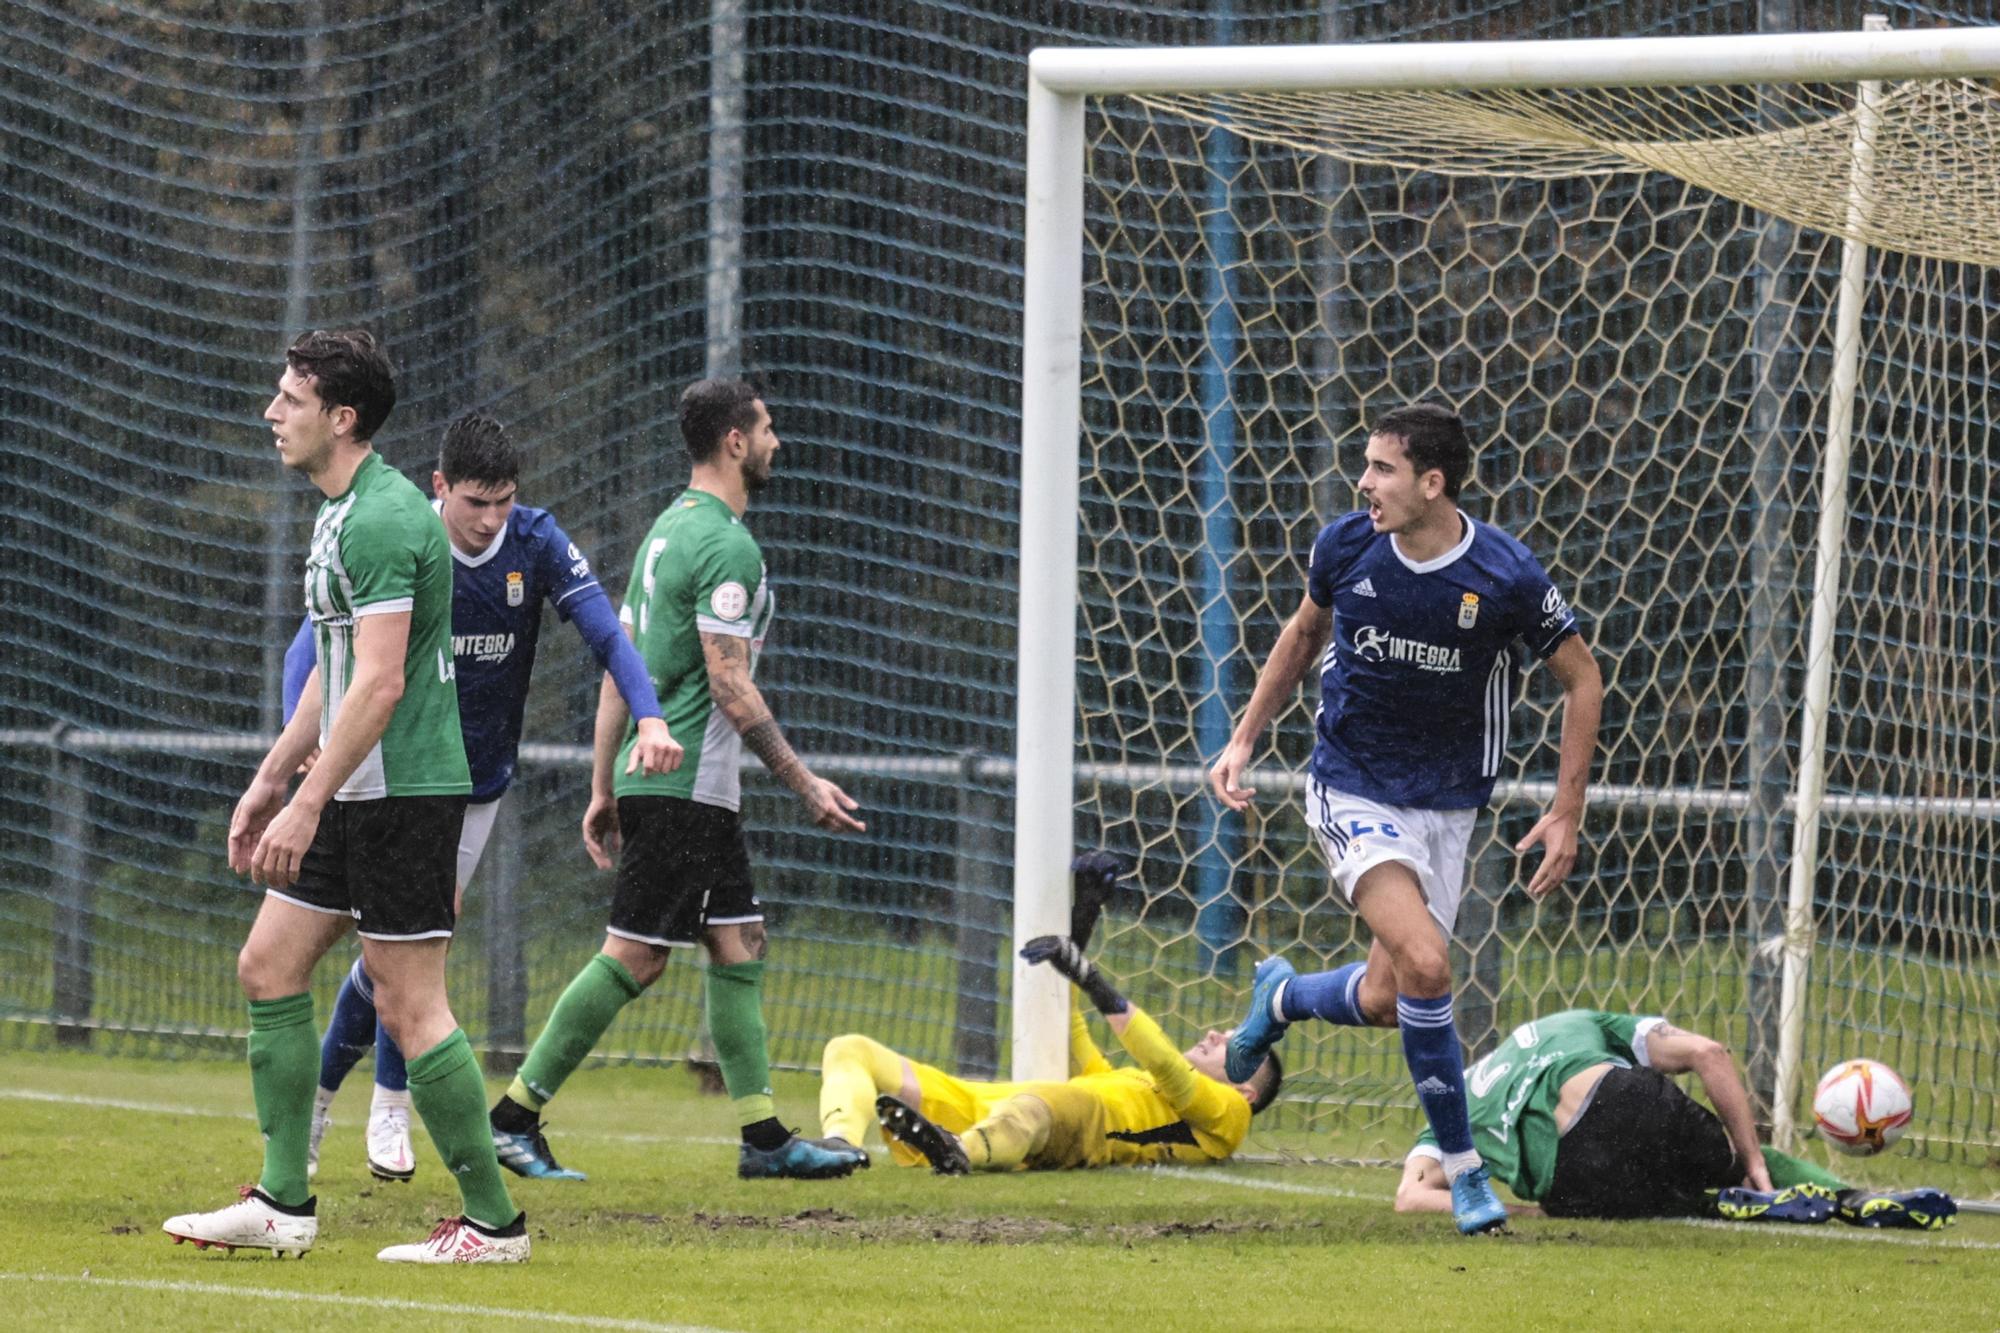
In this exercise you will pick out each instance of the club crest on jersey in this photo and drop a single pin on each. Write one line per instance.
(1468, 610)
(517, 588)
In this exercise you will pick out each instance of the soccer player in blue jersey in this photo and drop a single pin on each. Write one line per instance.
(1411, 614)
(508, 560)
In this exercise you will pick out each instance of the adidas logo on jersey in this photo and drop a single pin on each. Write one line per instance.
(1433, 1087)
(1365, 588)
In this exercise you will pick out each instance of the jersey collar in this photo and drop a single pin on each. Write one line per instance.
(473, 561)
(1430, 566)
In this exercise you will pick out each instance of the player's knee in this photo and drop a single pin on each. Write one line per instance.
(1424, 970)
(847, 1048)
(260, 977)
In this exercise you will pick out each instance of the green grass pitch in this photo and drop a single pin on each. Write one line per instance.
(97, 1151)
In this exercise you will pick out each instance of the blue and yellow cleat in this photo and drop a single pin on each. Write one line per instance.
(801, 1159)
(1474, 1205)
(1259, 1031)
(527, 1154)
(1807, 1204)
(1917, 1210)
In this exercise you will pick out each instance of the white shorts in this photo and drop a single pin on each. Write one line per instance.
(1357, 835)
(472, 836)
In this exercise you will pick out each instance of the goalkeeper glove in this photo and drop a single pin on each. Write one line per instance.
(1094, 878)
(1066, 958)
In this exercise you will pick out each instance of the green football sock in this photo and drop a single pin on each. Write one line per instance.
(580, 1018)
(736, 1021)
(1787, 1171)
(284, 1070)
(449, 1095)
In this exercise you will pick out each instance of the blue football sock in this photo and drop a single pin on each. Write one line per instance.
(390, 1073)
(1334, 996)
(1437, 1067)
(351, 1031)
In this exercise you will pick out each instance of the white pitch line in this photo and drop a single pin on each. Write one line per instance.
(1210, 1175)
(164, 1108)
(235, 1292)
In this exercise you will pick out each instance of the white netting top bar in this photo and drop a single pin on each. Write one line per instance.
(1780, 148)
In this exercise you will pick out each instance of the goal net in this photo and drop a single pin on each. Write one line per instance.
(1634, 297)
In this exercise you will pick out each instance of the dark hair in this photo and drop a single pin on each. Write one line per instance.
(476, 449)
(1434, 437)
(710, 409)
(1270, 1076)
(347, 369)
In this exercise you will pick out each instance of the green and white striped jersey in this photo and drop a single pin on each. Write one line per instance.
(698, 572)
(379, 548)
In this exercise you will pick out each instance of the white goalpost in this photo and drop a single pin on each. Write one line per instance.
(1718, 311)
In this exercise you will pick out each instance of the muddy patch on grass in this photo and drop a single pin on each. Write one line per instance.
(988, 1230)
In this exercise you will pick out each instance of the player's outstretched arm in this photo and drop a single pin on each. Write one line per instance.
(1583, 705)
(1298, 647)
(1672, 1051)
(729, 685)
(1060, 952)
(654, 750)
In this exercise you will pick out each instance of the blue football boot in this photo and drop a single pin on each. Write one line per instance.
(1806, 1204)
(1474, 1205)
(1918, 1210)
(1259, 1031)
(527, 1154)
(801, 1159)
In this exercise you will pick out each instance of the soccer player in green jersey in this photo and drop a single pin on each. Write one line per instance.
(698, 607)
(1577, 1112)
(369, 841)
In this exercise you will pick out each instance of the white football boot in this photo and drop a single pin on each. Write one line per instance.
(389, 1153)
(254, 1222)
(456, 1241)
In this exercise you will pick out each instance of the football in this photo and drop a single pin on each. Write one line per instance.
(1861, 1106)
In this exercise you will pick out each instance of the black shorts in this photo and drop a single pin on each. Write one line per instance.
(391, 864)
(683, 867)
(1642, 1148)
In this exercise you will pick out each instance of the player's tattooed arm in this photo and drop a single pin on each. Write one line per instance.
(729, 686)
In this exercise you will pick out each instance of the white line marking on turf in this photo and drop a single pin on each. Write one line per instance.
(235, 1292)
(163, 1108)
(1253, 1183)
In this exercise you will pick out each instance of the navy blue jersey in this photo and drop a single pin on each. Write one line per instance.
(1419, 677)
(496, 621)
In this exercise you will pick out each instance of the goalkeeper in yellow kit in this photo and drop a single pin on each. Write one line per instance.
(1174, 1106)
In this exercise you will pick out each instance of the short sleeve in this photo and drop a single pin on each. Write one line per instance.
(1546, 618)
(565, 569)
(378, 557)
(1626, 1034)
(1320, 573)
(727, 575)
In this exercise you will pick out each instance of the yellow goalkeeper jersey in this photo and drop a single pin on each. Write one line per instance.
(1160, 1111)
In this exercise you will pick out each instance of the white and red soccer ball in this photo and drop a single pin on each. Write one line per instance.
(1861, 1106)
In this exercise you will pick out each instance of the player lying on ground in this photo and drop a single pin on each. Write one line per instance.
(1576, 1112)
(507, 562)
(1176, 1106)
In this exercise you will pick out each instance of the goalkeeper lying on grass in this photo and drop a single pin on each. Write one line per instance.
(1175, 1106)
(1576, 1112)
